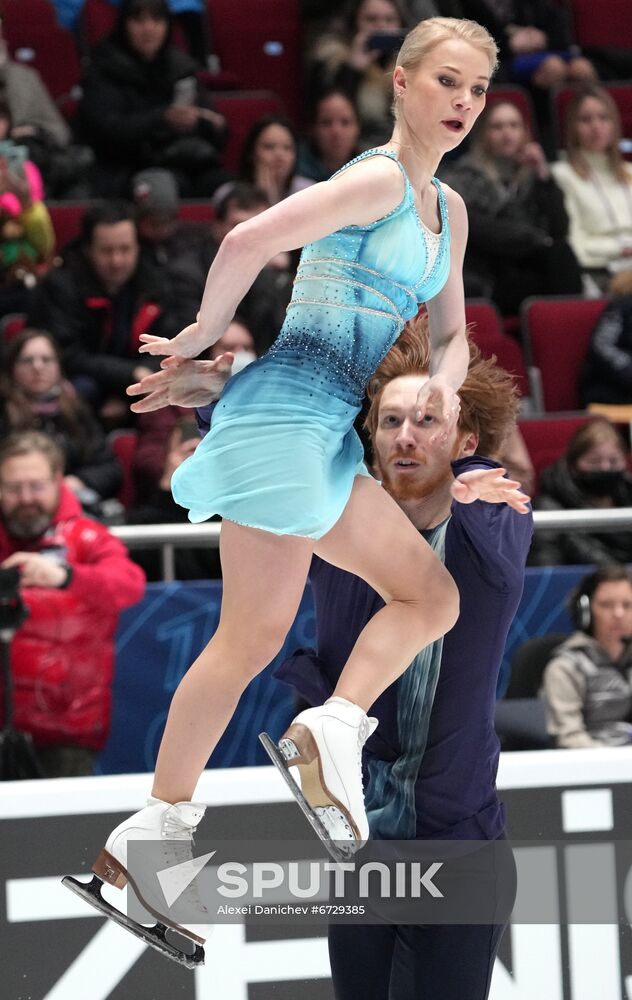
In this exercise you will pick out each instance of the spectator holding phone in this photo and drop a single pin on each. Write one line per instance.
(27, 238)
(143, 107)
(360, 59)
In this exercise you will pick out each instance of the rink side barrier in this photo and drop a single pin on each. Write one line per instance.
(168, 537)
(56, 948)
(159, 638)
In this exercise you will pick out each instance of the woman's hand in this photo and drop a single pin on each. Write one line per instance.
(267, 180)
(360, 57)
(525, 40)
(491, 486)
(532, 155)
(182, 382)
(182, 118)
(438, 399)
(188, 344)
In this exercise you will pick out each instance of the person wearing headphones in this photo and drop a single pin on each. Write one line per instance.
(587, 686)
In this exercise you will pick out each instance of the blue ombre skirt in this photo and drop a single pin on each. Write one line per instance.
(281, 455)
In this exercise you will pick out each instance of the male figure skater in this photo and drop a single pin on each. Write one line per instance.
(432, 763)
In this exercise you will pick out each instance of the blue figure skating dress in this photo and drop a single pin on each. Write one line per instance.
(282, 452)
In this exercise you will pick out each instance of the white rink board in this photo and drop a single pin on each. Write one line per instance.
(580, 795)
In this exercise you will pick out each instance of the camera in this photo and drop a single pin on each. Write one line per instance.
(12, 609)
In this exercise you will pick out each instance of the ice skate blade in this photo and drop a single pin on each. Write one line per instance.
(152, 936)
(339, 850)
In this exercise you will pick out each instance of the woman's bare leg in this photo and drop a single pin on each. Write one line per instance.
(375, 540)
(263, 580)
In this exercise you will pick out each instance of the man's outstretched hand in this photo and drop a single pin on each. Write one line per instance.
(491, 486)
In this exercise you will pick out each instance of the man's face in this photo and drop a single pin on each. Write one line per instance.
(113, 254)
(29, 495)
(157, 228)
(412, 459)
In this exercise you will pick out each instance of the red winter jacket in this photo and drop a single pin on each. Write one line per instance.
(63, 655)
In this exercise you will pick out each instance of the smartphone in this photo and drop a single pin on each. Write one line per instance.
(386, 42)
(185, 91)
(16, 156)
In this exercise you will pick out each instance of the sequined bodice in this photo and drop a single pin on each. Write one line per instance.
(356, 288)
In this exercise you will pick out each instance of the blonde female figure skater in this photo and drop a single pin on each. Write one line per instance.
(283, 465)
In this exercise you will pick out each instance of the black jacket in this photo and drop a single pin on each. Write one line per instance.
(558, 491)
(543, 14)
(72, 304)
(124, 100)
(607, 372)
(517, 242)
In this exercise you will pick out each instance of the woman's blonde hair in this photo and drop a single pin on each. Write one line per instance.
(435, 30)
(574, 150)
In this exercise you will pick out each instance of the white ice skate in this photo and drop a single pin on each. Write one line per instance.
(172, 827)
(325, 744)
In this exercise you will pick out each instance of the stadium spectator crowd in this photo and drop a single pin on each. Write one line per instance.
(153, 166)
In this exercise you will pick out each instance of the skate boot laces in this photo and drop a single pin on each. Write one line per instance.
(178, 848)
(367, 726)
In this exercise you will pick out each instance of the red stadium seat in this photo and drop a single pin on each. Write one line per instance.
(621, 94)
(521, 98)
(259, 41)
(36, 39)
(196, 211)
(67, 216)
(546, 438)
(487, 333)
(485, 315)
(556, 334)
(603, 24)
(97, 21)
(242, 109)
(123, 444)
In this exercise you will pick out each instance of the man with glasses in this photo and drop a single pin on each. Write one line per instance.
(75, 579)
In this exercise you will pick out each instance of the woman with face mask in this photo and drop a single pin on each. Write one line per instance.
(587, 685)
(591, 474)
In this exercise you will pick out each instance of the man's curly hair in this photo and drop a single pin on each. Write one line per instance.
(489, 398)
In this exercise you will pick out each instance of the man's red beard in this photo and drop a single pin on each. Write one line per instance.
(411, 486)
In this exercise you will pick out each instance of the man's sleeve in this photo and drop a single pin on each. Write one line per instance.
(493, 535)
